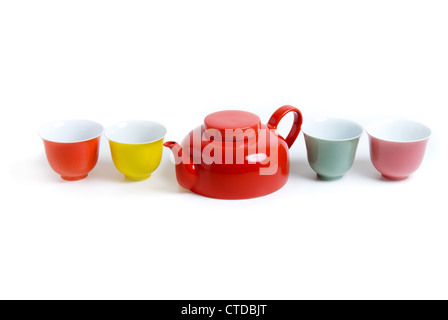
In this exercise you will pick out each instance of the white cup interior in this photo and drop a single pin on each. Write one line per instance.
(332, 129)
(135, 132)
(69, 131)
(398, 130)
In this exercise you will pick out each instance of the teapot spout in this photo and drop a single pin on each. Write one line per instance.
(186, 172)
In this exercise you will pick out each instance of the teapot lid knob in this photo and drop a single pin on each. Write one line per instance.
(233, 120)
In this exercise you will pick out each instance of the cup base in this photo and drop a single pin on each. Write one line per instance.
(326, 178)
(75, 178)
(388, 177)
(137, 178)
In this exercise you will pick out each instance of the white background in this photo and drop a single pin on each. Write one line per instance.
(176, 61)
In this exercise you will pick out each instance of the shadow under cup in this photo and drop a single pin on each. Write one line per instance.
(136, 147)
(397, 147)
(331, 146)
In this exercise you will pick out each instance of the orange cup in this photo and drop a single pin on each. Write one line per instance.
(72, 147)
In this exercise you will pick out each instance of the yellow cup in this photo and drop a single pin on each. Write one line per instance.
(136, 147)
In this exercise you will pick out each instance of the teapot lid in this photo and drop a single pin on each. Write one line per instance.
(223, 121)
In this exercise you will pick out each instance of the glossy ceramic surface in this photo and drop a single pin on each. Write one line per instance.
(397, 147)
(136, 147)
(331, 146)
(252, 163)
(72, 147)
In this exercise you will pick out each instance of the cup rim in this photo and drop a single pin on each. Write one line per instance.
(120, 125)
(371, 127)
(59, 123)
(306, 127)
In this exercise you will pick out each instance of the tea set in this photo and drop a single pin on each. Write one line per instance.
(232, 155)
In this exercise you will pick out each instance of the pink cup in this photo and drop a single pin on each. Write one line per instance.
(397, 147)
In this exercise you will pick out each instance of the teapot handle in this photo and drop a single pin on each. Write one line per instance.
(295, 130)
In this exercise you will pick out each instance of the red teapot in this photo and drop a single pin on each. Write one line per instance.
(233, 156)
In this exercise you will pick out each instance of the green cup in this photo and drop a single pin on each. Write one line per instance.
(331, 144)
